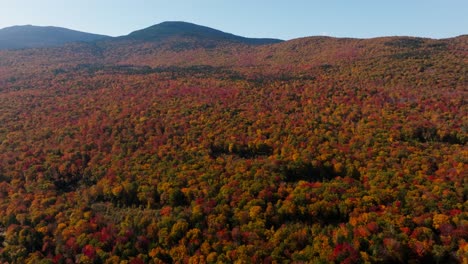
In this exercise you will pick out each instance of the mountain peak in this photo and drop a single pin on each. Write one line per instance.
(172, 29)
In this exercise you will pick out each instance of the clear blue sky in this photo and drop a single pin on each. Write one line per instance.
(252, 18)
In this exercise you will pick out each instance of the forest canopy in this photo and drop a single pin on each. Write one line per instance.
(315, 150)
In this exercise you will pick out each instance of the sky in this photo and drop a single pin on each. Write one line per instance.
(251, 18)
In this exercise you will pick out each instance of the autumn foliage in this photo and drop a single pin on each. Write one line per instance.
(315, 150)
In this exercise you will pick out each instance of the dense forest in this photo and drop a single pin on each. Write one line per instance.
(314, 150)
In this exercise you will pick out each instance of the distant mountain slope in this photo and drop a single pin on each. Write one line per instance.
(167, 30)
(298, 55)
(18, 37)
(184, 44)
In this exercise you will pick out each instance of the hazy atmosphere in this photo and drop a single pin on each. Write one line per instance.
(262, 18)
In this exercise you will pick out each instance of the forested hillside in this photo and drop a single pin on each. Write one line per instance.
(314, 150)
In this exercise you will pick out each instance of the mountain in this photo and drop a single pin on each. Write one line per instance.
(173, 29)
(18, 37)
(179, 33)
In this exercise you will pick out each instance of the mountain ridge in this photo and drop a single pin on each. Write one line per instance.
(29, 36)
